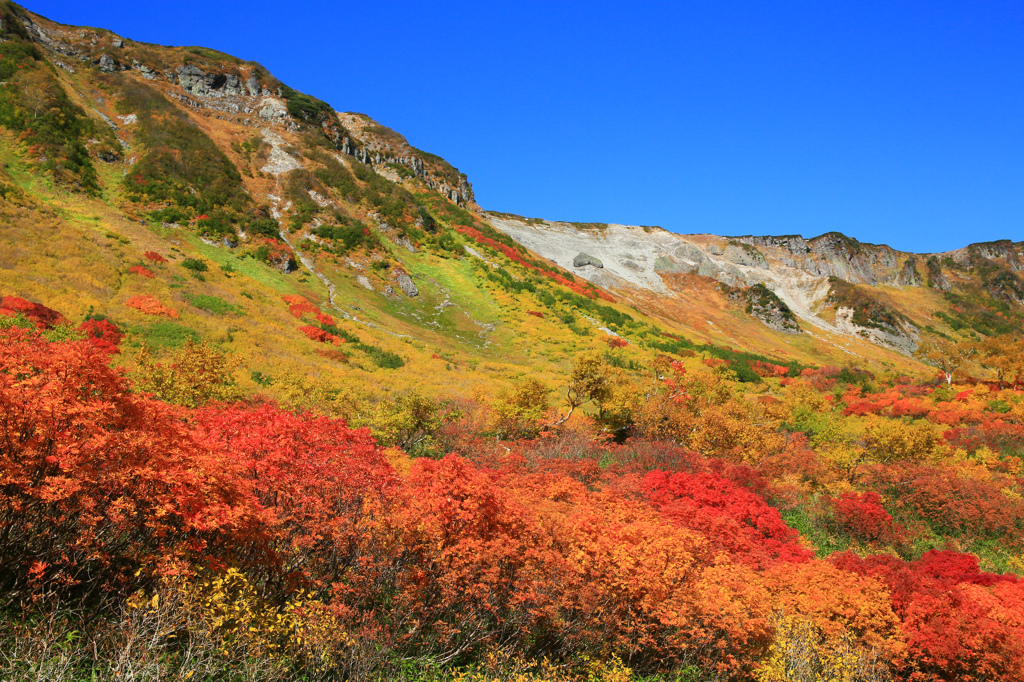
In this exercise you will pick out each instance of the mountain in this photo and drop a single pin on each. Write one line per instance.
(279, 400)
(126, 147)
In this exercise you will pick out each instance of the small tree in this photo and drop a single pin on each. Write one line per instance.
(945, 355)
(1003, 356)
(197, 374)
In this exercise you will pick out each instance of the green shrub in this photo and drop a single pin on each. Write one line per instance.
(380, 357)
(213, 304)
(195, 265)
(166, 334)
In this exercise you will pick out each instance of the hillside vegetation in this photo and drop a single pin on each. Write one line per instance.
(279, 401)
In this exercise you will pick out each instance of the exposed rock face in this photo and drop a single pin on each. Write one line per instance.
(936, 278)
(748, 256)
(273, 110)
(582, 260)
(405, 283)
(908, 276)
(903, 339)
(763, 304)
(1005, 286)
(689, 252)
(194, 81)
(279, 160)
(285, 263)
(832, 254)
(108, 64)
(1002, 250)
(664, 264)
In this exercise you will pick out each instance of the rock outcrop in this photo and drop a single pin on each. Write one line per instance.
(764, 305)
(908, 275)
(582, 260)
(405, 283)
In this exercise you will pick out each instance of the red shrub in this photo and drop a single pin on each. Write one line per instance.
(914, 408)
(154, 257)
(960, 623)
(949, 503)
(319, 335)
(535, 313)
(994, 434)
(732, 517)
(767, 369)
(44, 317)
(862, 516)
(139, 270)
(100, 486)
(616, 341)
(103, 335)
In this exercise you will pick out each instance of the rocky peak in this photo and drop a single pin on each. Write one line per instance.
(908, 275)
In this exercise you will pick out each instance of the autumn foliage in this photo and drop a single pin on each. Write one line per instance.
(296, 537)
(149, 305)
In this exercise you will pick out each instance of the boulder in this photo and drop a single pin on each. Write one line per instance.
(582, 260)
(749, 256)
(664, 264)
(405, 283)
(107, 63)
(689, 252)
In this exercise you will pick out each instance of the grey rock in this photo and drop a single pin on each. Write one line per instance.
(107, 63)
(273, 110)
(745, 255)
(147, 73)
(907, 275)
(764, 305)
(793, 243)
(108, 156)
(405, 283)
(190, 78)
(582, 260)
(689, 252)
(664, 264)
(285, 263)
(715, 250)
(707, 269)
(118, 43)
(229, 242)
(253, 86)
(232, 85)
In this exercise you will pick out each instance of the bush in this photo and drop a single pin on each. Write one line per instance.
(195, 265)
(213, 304)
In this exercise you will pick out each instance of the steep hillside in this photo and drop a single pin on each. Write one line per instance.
(839, 288)
(279, 401)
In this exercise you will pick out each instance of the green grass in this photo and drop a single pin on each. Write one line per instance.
(213, 304)
(165, 334)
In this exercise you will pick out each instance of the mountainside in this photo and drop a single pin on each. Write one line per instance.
(280, 401)
(190, 149)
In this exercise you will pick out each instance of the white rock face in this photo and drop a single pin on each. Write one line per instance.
(636, 258)
(279, 161)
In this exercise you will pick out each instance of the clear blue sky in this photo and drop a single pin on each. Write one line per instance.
(898, 122)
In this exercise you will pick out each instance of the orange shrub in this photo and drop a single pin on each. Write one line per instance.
(147, 304)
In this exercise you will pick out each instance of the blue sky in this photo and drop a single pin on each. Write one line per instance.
(895, 122)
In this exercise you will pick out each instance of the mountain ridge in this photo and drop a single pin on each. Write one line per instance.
(281, 165)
